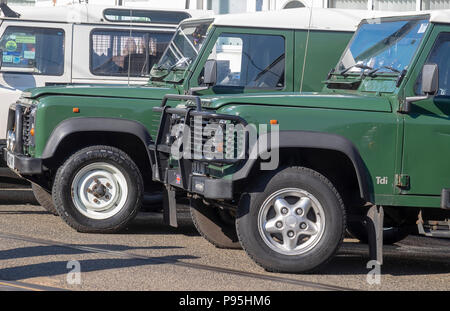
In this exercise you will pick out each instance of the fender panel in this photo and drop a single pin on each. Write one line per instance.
(77, 125)
(319, 140)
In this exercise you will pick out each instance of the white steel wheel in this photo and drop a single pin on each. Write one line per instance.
(99, 190)
(291, 221)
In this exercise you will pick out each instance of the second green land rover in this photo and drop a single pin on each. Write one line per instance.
(370, 153)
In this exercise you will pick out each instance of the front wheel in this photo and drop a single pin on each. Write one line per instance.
(98, 190)
(292, 221)
(391, 235)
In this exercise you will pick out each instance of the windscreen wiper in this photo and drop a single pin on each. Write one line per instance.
(361, 66)
(373, 71)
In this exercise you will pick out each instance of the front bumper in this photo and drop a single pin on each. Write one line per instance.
(184, 175)
(21, 164)
(209, 188)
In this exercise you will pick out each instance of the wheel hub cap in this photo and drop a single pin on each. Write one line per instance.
(99, 190)
(291, 221)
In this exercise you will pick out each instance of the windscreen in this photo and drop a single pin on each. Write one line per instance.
(185, 46)
(386, 46)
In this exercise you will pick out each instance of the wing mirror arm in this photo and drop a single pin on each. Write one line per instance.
(209, 77)
(430, 87)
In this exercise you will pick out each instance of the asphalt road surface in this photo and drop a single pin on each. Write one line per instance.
(39, 251)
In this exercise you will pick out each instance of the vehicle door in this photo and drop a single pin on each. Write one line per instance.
(247, 60)
(426, 150)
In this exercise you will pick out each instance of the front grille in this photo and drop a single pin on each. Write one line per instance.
(26, 129)
(20, 122)
(225, 139)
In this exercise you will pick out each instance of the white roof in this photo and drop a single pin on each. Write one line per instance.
(440, 16)
(436, 16)
(321, 19)
(87, 13)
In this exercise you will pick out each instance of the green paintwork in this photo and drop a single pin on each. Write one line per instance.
(55, 104)
(390, 143)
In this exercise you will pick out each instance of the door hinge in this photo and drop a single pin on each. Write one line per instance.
(403, 181)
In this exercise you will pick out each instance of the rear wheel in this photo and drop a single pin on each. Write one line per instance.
(44, 198)
(98, 189)
(391, 235)
(292, 221)
(215, 225)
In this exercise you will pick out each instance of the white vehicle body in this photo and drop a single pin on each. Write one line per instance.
(77, 40)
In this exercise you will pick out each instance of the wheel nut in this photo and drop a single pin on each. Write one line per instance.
(108, 185)
(284, 210)
(89, 190)
(303, 226)
(279, 224)
(299, 211)
(290, 234)
(107, 197)
(96, 201)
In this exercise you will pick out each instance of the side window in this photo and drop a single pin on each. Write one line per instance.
(250, 60)
(440, 55)
(34, 50)
(121, 53)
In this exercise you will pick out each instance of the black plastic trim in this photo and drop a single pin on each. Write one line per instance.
(81, 124)
(208, 187)
(24, 165)
(2, 152)
(319, 140)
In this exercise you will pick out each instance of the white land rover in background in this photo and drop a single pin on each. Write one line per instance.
(79, 44)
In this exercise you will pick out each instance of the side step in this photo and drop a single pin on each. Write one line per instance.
(436, 229)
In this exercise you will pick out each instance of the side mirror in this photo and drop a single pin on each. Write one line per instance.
(430, 87)
(430, 79)
(1, 58)
(210, 75)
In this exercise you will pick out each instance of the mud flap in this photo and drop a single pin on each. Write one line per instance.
(374, 226)
(170, 207)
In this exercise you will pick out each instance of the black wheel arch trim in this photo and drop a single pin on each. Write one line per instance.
(93, 124)
(319, 140)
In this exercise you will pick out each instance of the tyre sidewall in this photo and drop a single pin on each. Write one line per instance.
(212, 226)
(44, 198)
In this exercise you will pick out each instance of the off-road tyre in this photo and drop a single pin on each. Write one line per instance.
(272, 183)
(44, 199)
(216, 226)
(391, 235)
(63, 193)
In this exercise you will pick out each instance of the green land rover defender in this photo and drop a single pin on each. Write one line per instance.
(369, 153)
(85, 149)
